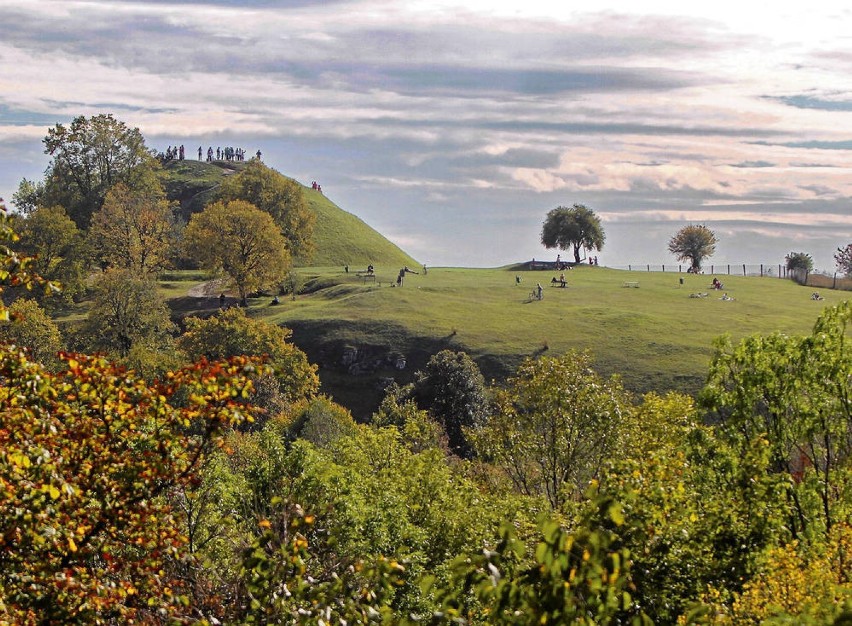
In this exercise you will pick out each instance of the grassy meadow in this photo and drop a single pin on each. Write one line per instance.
(655, 336)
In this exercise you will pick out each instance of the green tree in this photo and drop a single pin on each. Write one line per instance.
(693, 243)
(320, 421)
(133, 230)
(554, 427)
(233, 333)
(31, 328)
(87, 456)
(793, 392)
(127, 312)
(88, 157)
(843, 258)
(417, 427)
(575, 577)
(369, 499)
(453, 390)
(53, 240)
(576, 227)
(28, 196)
(697, 513)
(241, 240)
(799, 261)
(281, 197)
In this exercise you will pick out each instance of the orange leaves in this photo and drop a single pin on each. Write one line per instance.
(87, 456)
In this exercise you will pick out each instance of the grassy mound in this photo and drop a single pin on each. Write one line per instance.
(344, 239)
(340, 237)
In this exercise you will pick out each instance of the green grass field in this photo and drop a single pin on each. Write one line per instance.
(655, 336)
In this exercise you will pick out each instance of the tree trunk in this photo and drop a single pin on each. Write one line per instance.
(577, 253)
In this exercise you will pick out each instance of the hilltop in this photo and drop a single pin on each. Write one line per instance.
(340, 237)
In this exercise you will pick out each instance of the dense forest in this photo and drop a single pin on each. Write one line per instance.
(192, 473)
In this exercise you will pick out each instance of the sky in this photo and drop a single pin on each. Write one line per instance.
(454, 127)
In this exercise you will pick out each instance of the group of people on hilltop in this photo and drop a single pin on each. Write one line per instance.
(224, 154)
(173, 153)
(316, 186)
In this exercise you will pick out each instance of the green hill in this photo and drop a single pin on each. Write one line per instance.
(657, 338)
(340, 237)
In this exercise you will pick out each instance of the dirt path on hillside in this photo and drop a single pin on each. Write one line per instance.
(209, 289)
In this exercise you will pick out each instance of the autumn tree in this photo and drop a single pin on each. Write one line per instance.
(281, 197)
(575, 227)
(693, 243)
(843, 258)
(554, 427)
(32, 329)
(133, 230)
(126, 312)
(15, 267)
(87, 458)
(241, 240)
(233, 333)
(88, 157)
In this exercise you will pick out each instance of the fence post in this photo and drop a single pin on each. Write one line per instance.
(629, 269)
(779, 271)
(761, 269)
(834, 284)
(649, 267)
(664, 268)
(744, 271)
(680, 269)
(712, 271)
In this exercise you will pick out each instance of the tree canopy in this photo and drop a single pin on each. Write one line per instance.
(87, 458)
(127, 311)
(241, 240)
(233, 333)
(281, 197)
(799, 261)
(88, 157)
(453, 390)
(575, 227)
(693, 243)
(133, 230)
(554, 427)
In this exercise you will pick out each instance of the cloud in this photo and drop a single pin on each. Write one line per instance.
(811, 102)
(753, 164)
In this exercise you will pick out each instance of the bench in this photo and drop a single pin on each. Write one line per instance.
(629, 283)
(366, 276)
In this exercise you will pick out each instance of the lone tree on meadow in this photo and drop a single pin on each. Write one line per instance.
(576, 227)
(799, 261)
(693, 243)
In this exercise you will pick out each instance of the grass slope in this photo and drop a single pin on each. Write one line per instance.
(340, 237)
(655, 337)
